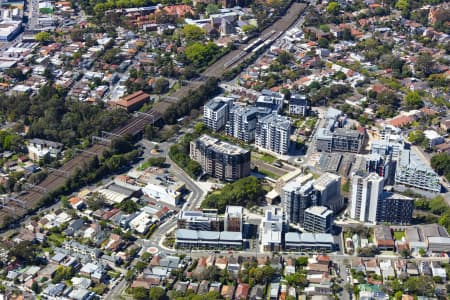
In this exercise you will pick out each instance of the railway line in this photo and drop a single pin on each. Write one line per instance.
(18, 205)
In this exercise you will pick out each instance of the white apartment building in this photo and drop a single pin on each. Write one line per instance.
(273, 133)
(273, 228)
(366, 191)
(215, 113)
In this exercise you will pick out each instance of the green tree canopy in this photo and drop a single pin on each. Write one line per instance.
(416, 137)
(333, 8)
(413, 99)
(193, 33)
(247, 192)
(44, 37)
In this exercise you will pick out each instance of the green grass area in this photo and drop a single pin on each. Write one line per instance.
(56, 238)
(113, 274)
(268, 174)
(311, 122)
(299, 123)
(144, 166)
(398, 235)
(46, 10)
(267, 158)
(347, 235)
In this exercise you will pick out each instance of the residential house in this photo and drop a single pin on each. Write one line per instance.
(257, 292)
(242, 291)
(372, 266)
(227, 292)
(38, 149)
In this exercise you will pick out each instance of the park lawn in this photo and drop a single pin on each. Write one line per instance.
(267, 158)
(398, 235)
(144, 166)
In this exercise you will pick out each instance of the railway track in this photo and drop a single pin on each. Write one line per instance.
(136, 124)
(55, 179)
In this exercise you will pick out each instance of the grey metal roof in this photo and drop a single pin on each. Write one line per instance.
(230, 236)
(409, 159)
(438, 240)
(333, 113)
(276, 120)
(324, 134)
(208, 235)
(292, 237)
(186, 234)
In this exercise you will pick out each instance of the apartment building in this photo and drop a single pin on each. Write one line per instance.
(394, 208)
(273, 133)
(234, 218)
(215, 112)
(366, 191)
(39, 149)
(347, 140)
(297, 196)
(274, 225)
(387, 148)
(413, 172)
(318, 219)
(220, 159)
(380, 164)
(271, 100)
(328, 187)
(242, 121)
(206, 220)
(299, 105)
(333, 137)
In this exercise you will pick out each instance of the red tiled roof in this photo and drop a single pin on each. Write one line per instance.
(242, 291)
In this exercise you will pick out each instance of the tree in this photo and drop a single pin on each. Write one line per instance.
(95, 201)
(161, 86)
(302, 261)
(129, 206)
(35, 287)
(413, 100)
(140, 293)
(43, 37)
(441, 164)
(422, 252)
(247, 192)
(211, 9)
(24, 251)
(140, 266)
(333, 8)
(200, 128)
(297, 279)
(200, 54)
(156, 293)
(424, 64)
(438, 205)
(323, 43)
(249, 29)
(100, 288)
(405, 253)
(62, 273)
(416, 137)
(403, 5)
(193, 33)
